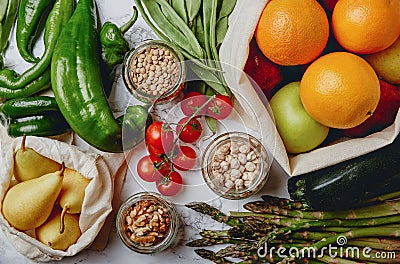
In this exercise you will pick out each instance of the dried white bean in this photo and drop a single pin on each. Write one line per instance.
(224, 165)
(235, 163)
(234, 148)
(245, 148)
(229, 184)
(250, 166)
(215, 165)
(246, 175)
(239, 184)
(242, 158)
(235, 174)
(251, 156)
(247, 184)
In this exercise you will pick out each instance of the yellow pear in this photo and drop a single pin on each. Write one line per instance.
(29, 164)
(50, 234)
(28, 204)
(72, 192)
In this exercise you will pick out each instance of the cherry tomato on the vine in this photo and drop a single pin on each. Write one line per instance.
(220, 108)
(192, 102)
(170, 185)
(185, 159)
(190, 132)
(154, 151)
(151, 168)
(160, 136)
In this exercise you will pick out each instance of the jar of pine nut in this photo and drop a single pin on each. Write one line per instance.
(153, 72)
(236, 165)
(146, 223)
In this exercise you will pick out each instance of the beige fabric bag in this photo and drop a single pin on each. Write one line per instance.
(234, 52)
(98, 197)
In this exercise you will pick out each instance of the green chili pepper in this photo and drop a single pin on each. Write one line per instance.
(28, 106)
(76, 82)
(113, 44)
(46, 124)
(43, 82)
(30, 13)
(8, 12)
(58, 18)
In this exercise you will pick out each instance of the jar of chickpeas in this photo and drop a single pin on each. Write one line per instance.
(154, 72)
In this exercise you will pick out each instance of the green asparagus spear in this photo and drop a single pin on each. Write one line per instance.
(215, 214)
(285, 203)
(210, 255)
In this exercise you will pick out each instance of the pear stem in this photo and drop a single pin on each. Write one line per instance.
(62, 169)
(23, 143)
(62, 226)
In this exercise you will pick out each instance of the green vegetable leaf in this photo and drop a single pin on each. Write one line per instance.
(212, 124)
(180, 7)
(193, 8)
(3, 9)
(227, 7)
(212, 80)
(200, 31)
(222, 28)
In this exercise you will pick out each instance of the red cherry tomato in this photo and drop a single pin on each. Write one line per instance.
(192, 102)
(170, 185)
(220, 108)
(154, 151)
(191, 132)
(151, 168)
(160, 136)
(185, 159)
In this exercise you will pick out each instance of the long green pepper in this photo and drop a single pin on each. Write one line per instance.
(42, 83)
(8, 12)
(28, 106)
(58, 18)
(30, 14)
(45, 124)
(77, 86)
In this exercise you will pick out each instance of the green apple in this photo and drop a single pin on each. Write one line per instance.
(298, 130)
(386, 63)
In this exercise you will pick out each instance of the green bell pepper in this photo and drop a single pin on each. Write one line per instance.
(113, 44)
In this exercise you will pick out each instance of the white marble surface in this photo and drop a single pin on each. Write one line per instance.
(119, 11)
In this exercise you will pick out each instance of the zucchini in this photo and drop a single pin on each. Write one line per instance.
(351, 183)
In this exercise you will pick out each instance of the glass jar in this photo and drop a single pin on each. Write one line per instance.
(125, 232)
(235, 165)
(154, 72)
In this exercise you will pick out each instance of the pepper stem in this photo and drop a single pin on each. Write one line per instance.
(124, 28)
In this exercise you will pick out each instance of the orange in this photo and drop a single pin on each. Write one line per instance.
(340, 90)
(366, 26)
(292, 32)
